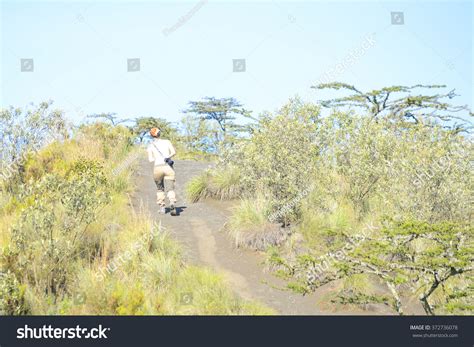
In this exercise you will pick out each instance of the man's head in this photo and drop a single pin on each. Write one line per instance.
(155, 132)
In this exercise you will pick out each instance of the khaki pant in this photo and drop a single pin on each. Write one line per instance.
(164, 178)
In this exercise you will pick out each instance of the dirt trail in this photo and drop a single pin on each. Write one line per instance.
(199, 229)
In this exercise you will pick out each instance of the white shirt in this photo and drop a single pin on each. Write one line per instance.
(157, 146)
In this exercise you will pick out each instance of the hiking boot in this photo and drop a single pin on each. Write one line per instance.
(162, 210)
(173, 210)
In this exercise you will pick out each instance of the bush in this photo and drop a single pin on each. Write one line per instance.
(226, 184)
(12, 295)
(412, 172)
(25, 131)
(199, 187)
(153, 279)
(249, 226)
(279, 158)
(220, 184)
(336, 180)
(199, 291)
(51, 226)
(70, 244)
(114, 141)
(319, 229)
(407, 170)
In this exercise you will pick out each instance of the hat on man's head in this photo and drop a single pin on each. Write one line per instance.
(154, 132)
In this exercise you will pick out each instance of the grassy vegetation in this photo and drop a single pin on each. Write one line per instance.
(351, 194)
(249, 225)
(71, 243)
(219, 184)
(198, 187)
(373, 199)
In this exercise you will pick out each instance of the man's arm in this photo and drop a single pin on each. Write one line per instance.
(172, 150)
(151, 158)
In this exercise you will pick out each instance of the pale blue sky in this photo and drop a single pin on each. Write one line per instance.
(80, 51)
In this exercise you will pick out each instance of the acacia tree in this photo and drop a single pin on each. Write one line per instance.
(408, 254)
(110, 117)
(223, 111)
(400, 102)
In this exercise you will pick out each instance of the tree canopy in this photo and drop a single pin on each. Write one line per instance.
(223, 111)
(110, 117)
(401, 102)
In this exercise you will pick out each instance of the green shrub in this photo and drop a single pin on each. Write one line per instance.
(51, 224)
(335, 180)
(414, 171)
(226, 184)
(320, 230)
(220, 184)
(249, 226)
(12, 295)
(70, 244)
(279, 158)
(128, 300)
(198, 187)
(199, 291)
(154, 280)
(23, 132)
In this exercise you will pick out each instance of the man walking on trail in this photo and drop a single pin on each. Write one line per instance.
(160, 152)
